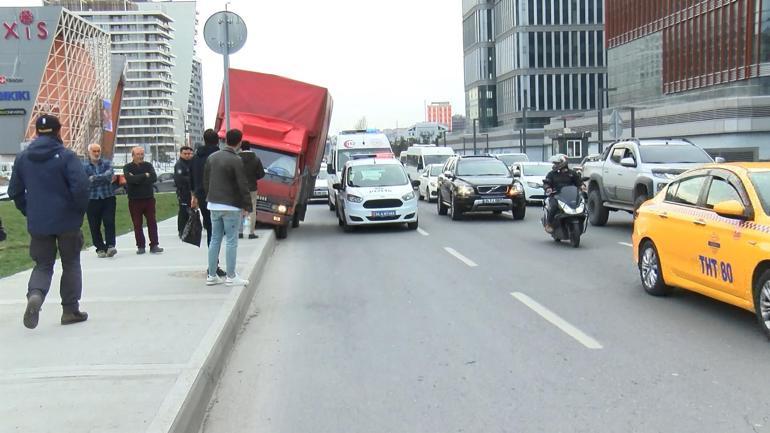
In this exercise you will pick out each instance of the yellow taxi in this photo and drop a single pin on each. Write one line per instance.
(708, 231)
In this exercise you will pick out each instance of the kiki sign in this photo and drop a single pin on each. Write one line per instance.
(25, 31)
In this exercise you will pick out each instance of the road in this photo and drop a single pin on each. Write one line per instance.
(483, 325)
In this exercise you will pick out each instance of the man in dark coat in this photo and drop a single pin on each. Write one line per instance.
(140, 177)
(183, 186)
(254, 171)
(199, 199)
(50, 187)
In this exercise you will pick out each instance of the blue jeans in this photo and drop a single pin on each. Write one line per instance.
(224, 224)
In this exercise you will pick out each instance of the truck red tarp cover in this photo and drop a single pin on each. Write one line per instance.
(270, 96)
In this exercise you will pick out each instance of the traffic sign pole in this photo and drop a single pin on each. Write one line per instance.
(227, 74)
(225, 33)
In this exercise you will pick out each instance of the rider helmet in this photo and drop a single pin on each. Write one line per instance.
(559, 161)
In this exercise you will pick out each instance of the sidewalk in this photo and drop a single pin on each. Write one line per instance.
(150, 353)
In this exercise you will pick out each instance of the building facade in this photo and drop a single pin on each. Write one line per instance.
(479, 62)
(440, 112)
(52, 62)
(195, 125)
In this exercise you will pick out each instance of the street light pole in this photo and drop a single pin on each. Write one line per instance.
(463, 145)
(600, 116)
(487, 138)
(475, 120)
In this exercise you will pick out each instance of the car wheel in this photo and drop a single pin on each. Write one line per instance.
(440, 206)
(519, 211)
(597, 213)
(641, 198)
(651, 272)
(340, 222)
(419, 194)
(456, 213)
(762, 302)
(413, 226)
(332, 207)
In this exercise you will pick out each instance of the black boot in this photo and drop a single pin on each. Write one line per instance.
(73, 317)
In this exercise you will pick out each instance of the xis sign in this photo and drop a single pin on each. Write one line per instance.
(25, 31)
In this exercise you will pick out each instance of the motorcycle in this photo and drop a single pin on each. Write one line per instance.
(569, 222)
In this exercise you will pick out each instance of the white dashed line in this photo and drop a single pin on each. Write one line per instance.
(626, 244)
(461, 257)
(557, 321)
(423, 232)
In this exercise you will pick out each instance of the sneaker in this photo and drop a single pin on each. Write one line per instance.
(101, 254)
(221, 272)
(213, 280)
(73, 317)
(156, 250)
(111, 251)
(253, 236)
(236, 281)
(32, 313)
(141, 250)
(240, 235)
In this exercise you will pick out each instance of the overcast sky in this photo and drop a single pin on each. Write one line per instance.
(379, 58)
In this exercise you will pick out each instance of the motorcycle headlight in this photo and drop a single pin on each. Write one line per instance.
(581, 207)
(354, 198)
(408, 196)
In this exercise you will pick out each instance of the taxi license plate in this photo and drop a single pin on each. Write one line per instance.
(491, 200)
(383, 213)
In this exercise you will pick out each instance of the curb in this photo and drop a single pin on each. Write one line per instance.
(184, 408)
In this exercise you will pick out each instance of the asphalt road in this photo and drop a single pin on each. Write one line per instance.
(483, 325)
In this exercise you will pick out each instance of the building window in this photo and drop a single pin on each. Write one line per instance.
(574, 148)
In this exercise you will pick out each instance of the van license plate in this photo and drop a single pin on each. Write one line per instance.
(383, 213)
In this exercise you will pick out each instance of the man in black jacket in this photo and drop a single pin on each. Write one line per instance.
(252, 166)
(560, 176)
(211, 145)
(183, 186)
(228, 196)
(140, 176)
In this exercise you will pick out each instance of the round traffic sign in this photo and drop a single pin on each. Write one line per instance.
(225, 32)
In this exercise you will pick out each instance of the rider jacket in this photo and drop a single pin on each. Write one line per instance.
(556, 179)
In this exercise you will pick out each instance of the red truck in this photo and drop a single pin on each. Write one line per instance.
(286, 122)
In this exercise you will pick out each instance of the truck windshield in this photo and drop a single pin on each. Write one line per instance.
(435, 159)
(344, 156)
(277, 164)
(673, 154)
(368, 176)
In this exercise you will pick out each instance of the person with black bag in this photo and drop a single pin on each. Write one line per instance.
(211, 145)
(183, 187)
(254, 171)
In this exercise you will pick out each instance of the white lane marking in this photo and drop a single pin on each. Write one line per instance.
(461, 257)
(626, 244)
(422, 232)
(557, 321)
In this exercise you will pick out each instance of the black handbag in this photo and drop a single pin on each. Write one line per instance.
(193, 229)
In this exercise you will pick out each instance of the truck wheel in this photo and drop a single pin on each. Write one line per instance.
(597, 213)
(762, 302)
(440, 206)
(519, 211)
(651, 272)
(281, 232)
(295, 220)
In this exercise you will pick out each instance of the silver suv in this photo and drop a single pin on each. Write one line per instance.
(633, 171)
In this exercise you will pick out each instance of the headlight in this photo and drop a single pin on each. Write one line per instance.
(463, 190)
(664, 175)
(282, 208)
(515, 189)
(408, 196)
(354, 198)
(534, 185)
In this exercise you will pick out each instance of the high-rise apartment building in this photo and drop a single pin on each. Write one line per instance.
(158, 40)
(479, 62)
(440, 112)
(195, 124)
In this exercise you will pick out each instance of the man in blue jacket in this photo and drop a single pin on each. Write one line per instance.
(50, 187)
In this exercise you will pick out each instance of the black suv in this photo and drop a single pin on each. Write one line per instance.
(479, 184)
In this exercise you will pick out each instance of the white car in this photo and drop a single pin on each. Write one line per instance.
(531, 175)
(428, 189)
(375, 191)
(321, 189)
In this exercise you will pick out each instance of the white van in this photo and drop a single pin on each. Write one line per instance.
(420, 156)
(349, 143)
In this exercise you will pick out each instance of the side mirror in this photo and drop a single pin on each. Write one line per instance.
(720, 160)
(448, 175)
(517, 173)
(730, 209)
(420, 166)
(330, 169)
(628, 162)
(415, 183)
(337, 186)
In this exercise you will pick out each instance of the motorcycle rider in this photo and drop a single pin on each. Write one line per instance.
(560, 176)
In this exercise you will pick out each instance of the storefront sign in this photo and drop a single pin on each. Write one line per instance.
(28, 29)
(10, 80)
(14, 96)
(12, 112)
